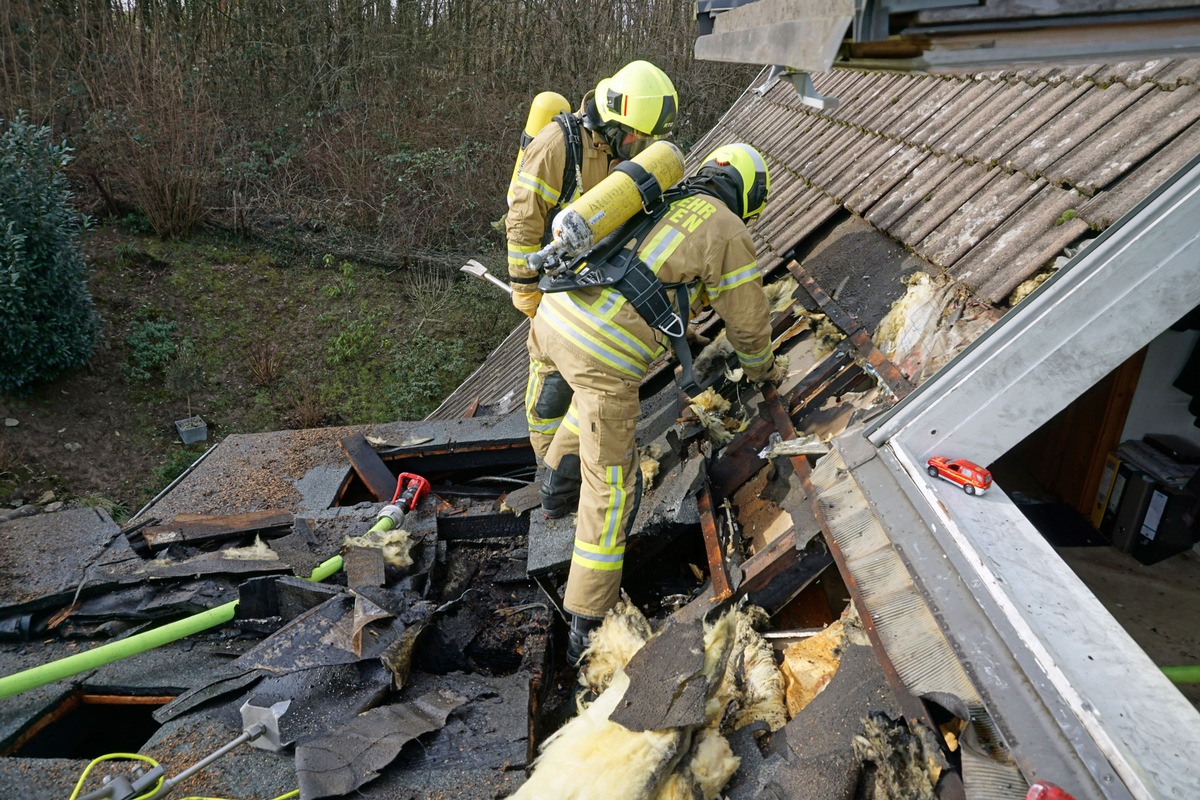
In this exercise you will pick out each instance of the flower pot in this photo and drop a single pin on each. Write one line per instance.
(192, 430)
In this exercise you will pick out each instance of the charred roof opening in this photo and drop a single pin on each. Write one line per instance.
(485, 471)
(88, 725)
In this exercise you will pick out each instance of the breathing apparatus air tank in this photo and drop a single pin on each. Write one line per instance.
(542, 110)
(632, 186)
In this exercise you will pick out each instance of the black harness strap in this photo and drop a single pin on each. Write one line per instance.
(572, 174)
(647, 185)
(611, 263)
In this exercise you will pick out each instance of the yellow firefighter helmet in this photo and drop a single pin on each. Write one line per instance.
(740, 173)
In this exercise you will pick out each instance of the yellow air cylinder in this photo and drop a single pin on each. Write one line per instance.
(618, 197)
(541, 111)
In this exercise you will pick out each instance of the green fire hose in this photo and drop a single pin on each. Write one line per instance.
(389, 517)
(1188, 674)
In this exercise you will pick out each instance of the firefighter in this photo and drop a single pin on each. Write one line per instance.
(625, 114)
(594, 339)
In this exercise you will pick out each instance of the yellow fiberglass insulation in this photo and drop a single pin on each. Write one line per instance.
(910, 315)
(753, 682)
(650, 456)
(781, 294)
(701, 775)
(255, 552)
(1027, 287)
(593, 758)
(712, 410)
(621, 634)
(395, 545)
(809, 665)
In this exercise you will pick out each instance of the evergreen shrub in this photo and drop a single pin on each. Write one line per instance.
(47, 321)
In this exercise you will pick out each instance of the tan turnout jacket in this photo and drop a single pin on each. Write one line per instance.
(536, 192)
(699, 242)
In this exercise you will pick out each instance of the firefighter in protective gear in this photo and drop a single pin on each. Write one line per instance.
(597, 342)
(570, 156)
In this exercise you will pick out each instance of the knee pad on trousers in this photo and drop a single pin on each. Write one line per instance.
(555, 398)
(560, 487)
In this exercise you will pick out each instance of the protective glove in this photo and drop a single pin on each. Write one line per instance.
(526, 302)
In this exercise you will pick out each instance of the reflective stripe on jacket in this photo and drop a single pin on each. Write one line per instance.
(538, 185)
(699, 242)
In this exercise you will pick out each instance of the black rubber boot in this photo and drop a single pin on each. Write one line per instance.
(579, 637)
(560, 487)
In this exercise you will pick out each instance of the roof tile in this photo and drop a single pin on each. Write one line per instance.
(1092, 111)
(1180, 72)
(919, 183)
(936, 102)
(953, 200)
(1129, 138)
(1022, 245)
(999, 197)
(954, 114)
(889, 167)
(1040, 111)
(985, 117)
(1109, 205)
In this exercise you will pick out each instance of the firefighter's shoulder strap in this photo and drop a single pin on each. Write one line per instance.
(572, 170)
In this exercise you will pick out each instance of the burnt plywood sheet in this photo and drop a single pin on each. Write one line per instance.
(1133, 135)
(478, 754)
(864, 267)
(342, 760)
(667, 687)
(1022, 245)
(813, 755)
(45, 555)
(1107, 206)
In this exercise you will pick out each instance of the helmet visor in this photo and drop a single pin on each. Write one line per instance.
(633, 143)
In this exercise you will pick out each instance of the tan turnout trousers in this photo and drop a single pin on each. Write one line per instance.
(600, 425)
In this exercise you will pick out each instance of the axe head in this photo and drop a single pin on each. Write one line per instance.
(473, 267)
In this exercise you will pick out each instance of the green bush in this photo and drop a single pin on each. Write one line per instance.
(425, 371)
(46, 312)
(150, 347)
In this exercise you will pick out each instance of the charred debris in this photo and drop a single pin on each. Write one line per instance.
(431, 663)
